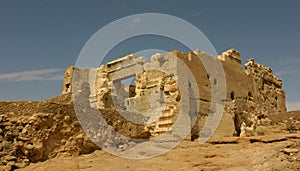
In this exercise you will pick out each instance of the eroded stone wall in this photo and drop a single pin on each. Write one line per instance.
(154, 94)
(251, 93)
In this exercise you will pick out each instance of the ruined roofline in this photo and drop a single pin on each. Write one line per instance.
(119, 60)
(225, 56)
(230, 53)
(230, 57)
(252, 63)
(254, 68)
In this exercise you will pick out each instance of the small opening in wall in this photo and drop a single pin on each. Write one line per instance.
(131, 92)
(232, 95)
(215, 81)
(67, 86)
(208, 76)
(250, 94)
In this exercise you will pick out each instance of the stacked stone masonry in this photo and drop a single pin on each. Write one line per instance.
(251, 94)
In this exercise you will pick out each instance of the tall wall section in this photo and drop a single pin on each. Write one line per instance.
(251, 93)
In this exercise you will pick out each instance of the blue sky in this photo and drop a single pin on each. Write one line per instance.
(39, 39)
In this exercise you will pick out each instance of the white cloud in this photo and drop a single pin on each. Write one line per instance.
(286, 72)
(289, 61)
(293, 105)
(43, 74)
(289, 66)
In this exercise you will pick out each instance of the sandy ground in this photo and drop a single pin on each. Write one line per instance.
(271, 152)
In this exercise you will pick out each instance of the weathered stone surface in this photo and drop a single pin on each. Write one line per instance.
(67, 83)
(227, 140)
(37, 131)
(145, 94)
(251, 93)
(268, 92)
(290, 151)
(33, 131)
(225, 154)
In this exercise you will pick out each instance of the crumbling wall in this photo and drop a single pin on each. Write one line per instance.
(268, 92)
(251, 93)
(67, 82)
(202, 78)
(154, 94)
(81, 75)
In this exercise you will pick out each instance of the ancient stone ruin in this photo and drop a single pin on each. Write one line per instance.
(252, 93)
(143, 100)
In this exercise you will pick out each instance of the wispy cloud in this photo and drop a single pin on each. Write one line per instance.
(194, 14)
(286, 72)
(289, 61)
(293, 105)
(287, 66)
(43, 74)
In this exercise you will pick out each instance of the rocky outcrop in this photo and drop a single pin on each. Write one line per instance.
(37, 131)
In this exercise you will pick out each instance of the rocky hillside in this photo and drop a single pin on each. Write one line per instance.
(33, 131)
